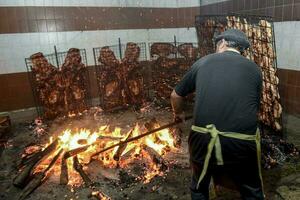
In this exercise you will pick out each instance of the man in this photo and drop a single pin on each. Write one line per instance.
(224, 139)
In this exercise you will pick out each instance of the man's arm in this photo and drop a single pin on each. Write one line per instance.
(177, 105)
(182, 89)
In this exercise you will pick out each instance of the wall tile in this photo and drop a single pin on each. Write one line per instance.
(287, 13)
(59, 23)
(40, 13)
(33, 26)
(235, 4)
(59, 12)
(51, 26)
(248, 4)
(279, 2)
(50, 12)
(296, 12)
(229, 6)
(298, 94)
(270, 11)
(287, 2)
(42, 25)
(278, 13)
(292, 77)
(262, 3)
(254, 4)
(270, 3)
(23, 25)
(241, 5)
(31, 13)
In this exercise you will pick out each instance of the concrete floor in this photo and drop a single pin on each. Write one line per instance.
(291, 130)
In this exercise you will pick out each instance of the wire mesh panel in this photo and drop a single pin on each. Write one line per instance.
(170, 61)
(260, 32)
(59, 91)
(120, 81)
(34, 65)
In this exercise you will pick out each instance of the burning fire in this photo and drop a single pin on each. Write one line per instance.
(84, 144)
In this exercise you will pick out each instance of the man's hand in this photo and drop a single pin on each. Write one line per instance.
(179, 117)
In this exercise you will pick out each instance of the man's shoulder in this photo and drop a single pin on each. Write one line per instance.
(205, 59)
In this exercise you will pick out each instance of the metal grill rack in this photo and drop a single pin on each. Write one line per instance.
(109, 74)
(260, 31)
(170, 61)
(56, 59)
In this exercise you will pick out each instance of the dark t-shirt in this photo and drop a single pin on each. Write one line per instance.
(228, 88)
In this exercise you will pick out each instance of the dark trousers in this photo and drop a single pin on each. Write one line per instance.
(244, 176)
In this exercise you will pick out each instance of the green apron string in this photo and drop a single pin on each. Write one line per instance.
(215, 143)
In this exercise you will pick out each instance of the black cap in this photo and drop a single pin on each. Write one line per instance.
(234, 35)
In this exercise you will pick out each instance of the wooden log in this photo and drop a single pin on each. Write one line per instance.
(64, 179)
(156, 158)
(104, 137)
(22, 178)
(76, 151)
(39, 178)
(128, 154)
(140, 136)
(78, 167)
(122, 147)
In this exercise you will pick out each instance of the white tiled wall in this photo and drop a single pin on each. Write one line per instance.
(15, 48)
(111, 3)
(287, 38)
(206, 2)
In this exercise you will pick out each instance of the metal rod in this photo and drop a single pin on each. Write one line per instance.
(120, 48)
(175, 43)
(56, 57)
(141, 136)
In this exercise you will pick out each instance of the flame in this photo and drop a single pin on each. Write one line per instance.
(161, 141)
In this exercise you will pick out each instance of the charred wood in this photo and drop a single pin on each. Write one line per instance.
(122, 147)
(156, 158)
(78, 167)
(38, 178)
(22, 178)
(64, 178)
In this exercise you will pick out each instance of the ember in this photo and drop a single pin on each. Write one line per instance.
(71, 152)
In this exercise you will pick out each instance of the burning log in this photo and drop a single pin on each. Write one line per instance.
(122, 147)
(39, 178)
(156, 158)
(64, 179)
(104, 137)
(76, 151)
(127, 155)
(22, 178)
(176, 131)
(140, 136)
(78, 167)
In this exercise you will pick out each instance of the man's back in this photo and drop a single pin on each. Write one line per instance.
(227, 92)
(228, 88)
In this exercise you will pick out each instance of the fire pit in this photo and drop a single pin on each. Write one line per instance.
(69, 154)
